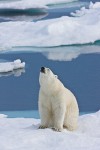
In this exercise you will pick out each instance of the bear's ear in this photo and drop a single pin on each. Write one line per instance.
(56, 76)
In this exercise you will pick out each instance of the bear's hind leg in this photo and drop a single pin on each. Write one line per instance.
(59, 114)
(71, 118)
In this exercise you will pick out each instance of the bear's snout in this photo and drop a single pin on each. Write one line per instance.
(42, 69)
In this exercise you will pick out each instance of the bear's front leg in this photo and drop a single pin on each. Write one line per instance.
(45, 116)
(59, 114)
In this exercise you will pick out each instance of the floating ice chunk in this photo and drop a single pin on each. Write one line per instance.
(3, 116)
(19, 66)
(10, 66)
(18, 61)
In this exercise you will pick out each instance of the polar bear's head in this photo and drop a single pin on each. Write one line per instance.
(46, 76)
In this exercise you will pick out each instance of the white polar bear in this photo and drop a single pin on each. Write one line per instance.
(58, 107)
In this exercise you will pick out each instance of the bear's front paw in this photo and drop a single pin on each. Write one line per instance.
(42, 127)
(57, 129)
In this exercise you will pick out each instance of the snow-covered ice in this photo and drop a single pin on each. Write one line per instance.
(25, 4)
(11, 66)
(23, 134)
(81, 29)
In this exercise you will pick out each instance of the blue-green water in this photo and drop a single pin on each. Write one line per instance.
(79, 70)
(28, 114)
(21, 114)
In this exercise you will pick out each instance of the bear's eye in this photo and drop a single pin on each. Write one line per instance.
(48, 69)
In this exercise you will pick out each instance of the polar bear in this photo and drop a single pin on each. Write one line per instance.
(58, 107)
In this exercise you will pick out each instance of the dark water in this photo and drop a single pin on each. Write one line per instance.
(19, 89)
(22, 15)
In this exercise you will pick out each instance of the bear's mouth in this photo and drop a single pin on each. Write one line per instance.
(42, 69)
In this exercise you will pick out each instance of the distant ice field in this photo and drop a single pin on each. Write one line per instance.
(83, 27)
(35, 14)
(24, 4)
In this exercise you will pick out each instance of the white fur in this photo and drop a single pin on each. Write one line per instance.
(58, 107)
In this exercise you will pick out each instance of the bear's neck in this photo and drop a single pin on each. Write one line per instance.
(52, 88)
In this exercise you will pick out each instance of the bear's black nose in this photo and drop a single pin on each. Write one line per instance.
(42, 69)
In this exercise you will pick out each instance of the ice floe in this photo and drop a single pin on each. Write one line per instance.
(11, 66)
(66, 30)
(23, 134)
(3, 116)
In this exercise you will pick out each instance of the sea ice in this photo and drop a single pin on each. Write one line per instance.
(25, 4)
(82, 29)
(23, 134)
(11, 66)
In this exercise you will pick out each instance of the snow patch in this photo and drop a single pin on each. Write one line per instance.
(23, 134)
